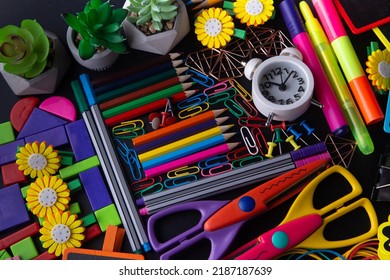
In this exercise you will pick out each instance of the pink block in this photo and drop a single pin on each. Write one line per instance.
(59, 106)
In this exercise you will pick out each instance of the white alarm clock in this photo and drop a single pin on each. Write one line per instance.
(282, 86)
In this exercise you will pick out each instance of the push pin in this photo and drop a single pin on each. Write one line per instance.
(290, 139)
(271, 146)
(277, 139)
(310, 130)
(296, 134)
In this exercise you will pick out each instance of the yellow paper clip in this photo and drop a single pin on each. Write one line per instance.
(193, 111)
(129, 129)
(241, 90)
(183, 171)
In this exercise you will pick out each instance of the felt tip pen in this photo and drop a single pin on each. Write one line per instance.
(336, 78)
(322, 88)
(349, 62)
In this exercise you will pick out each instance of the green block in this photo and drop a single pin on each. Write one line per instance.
(4, 255)
(74, 208)
(88, 220)
(25, 249)
(74, 185)
(78, 167)
(24, 191)
(6, 133)
(107, 216)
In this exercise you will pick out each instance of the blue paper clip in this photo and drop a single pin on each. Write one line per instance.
(246, 161)
(144, 183)
(193, 101)
(200, 78)
(224, 85)
(222, 96)
(241, 90)
(130, 157)
(183, 171)
(234, 108)
(246, 106)
(179, 181)
(211, 162)
(249, 141)
(155, 188)
(216, 170)
(193, 111)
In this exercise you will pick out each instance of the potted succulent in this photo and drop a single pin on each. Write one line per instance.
(32, 60)
(94, 35)
(156, 26)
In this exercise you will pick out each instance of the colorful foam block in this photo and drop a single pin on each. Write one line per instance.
(59, 106)
(79, 140)
(95, 188)
(74, 208)
(13, 211)
(92, 232)
(88, 220)
(108, 216)
(15, 237)
(12, 175)
(78, 167)
(25, 249)
(55, 136)
(6, 133)
(113, 239)
(4, 255)
(8, 151)
(39, 121)
(22, 110)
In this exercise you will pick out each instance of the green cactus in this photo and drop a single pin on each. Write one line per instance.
(99, 25)
(24, 50)
(155, 11)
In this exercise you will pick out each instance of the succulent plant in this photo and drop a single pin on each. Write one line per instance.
(156, 11)
(24, 50)
(99, 25)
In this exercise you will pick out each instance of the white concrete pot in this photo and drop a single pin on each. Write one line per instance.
(47, 81)
(162, 42)
(98, 62)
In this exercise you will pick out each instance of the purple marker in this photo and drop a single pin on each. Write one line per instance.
(322, 88)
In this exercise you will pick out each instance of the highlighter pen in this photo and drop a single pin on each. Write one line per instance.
(329, 62)
(323, 90)
(349, 62)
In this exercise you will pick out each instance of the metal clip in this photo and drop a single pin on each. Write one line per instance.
(193, 111)
(130, 157)
(211, 162)
(249, 141)
(129, 129)
(224, 85)
(155, 188)
(222, 96)
(183, 171)
(248, 108)
(193, 101)
(246, 161)
(241, 90)
(234, 108)
(252, 122)
(200, 78)
(179, 181)
(216, 170)
(260, 139)
(144, 183)
(237, 154)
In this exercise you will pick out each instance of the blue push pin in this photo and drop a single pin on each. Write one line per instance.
(310, 130)
(296, 134)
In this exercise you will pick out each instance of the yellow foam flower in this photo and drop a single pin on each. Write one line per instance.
(37, 159)
(378, 68)
(214, 27)
(61, 231)
(253, 12)
(47, 195)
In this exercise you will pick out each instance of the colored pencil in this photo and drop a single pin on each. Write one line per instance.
(191, 159)
(151, 136)
(165, 93)
(180, 134)
(143, 91)
(138, 84)
(148, 108)
(181, 143)
(187, 150)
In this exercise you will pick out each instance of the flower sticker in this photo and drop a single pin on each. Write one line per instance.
(214, 27)
(38, 159)
(253, 12)
(378, 68)
(61, 231)
(47, 195)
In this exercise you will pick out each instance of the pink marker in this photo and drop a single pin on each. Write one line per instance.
(322, 87)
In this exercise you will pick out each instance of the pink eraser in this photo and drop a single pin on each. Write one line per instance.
(59, 106)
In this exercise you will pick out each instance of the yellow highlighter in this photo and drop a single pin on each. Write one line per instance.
(336, 78)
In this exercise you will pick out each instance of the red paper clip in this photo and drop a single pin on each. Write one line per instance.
(246, 106)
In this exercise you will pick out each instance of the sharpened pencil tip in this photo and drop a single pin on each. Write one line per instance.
(219, 112)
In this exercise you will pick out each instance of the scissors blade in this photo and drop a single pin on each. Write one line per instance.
(264, 197)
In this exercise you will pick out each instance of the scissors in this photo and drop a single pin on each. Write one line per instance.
(222, 233)
(304, 225)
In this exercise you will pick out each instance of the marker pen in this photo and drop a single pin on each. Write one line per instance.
(322, 88)
(349, 62)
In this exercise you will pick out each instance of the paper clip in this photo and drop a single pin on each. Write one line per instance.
(216, 170)
(129, 129)
(234, 108)
(241, 90)
(249, 141)
(130, 157)
(248, 108)
(183, 171)
(237, 154)
(179, 181)
(155, 188)
(252, 122)
(211, 162)
(200, 78)
(193, 101)
(222, 96)
(144, 183)
(246, 161)
(193, 111)
(221, 86)
(260, 139)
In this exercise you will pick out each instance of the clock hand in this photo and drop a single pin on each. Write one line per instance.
(287, 78)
